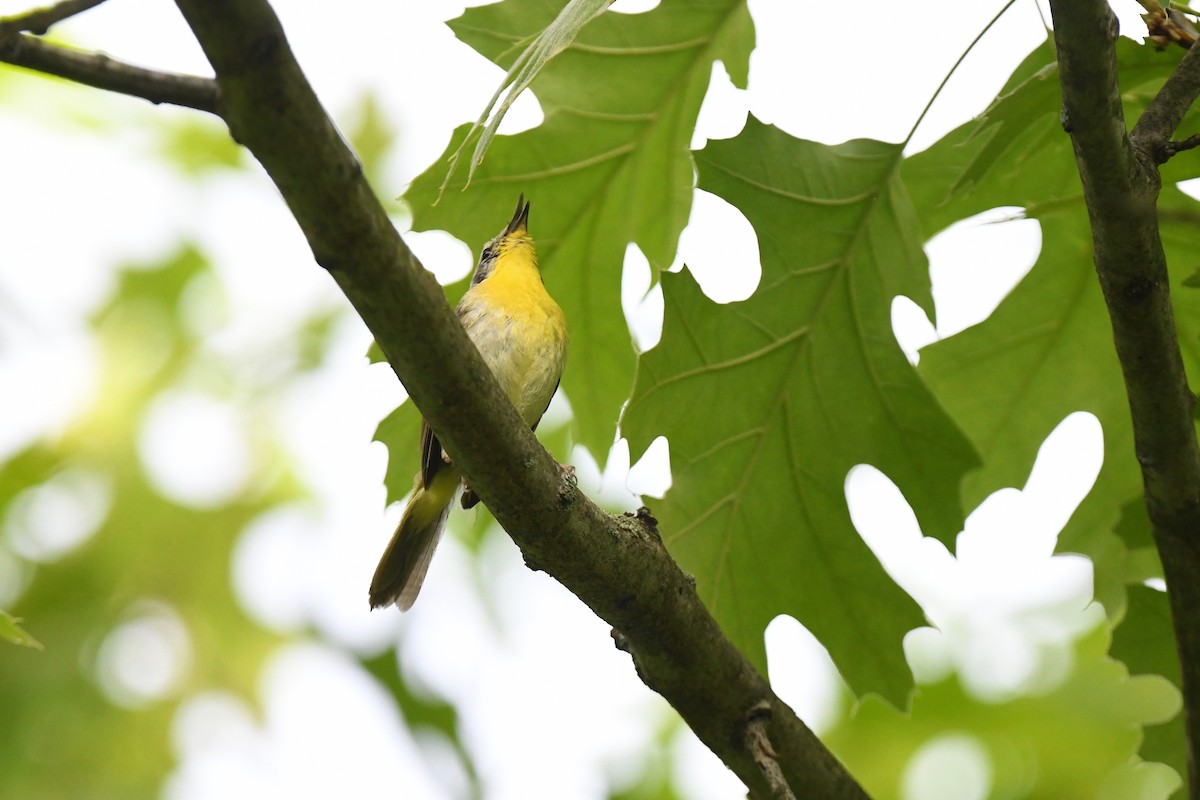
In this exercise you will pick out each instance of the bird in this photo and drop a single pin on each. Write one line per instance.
(522, 335)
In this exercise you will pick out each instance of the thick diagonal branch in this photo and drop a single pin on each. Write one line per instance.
(102, 72)
(617, 565)
(1121, 184)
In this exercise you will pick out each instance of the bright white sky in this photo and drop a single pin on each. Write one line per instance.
(550, 709)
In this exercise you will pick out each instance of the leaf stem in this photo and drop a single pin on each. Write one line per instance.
(954, 69)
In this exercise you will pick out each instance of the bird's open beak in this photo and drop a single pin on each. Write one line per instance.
(520, 220)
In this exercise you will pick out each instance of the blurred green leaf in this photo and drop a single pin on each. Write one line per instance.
(372, 135)
(11, 631)
(1145, 642)
(608, 166)
(1078, 739)
(314, 337)
(654, 780)
(66, 735)
(198, 144)
(1134, 526)
(421, 710)
(375, 353)
(768, 403)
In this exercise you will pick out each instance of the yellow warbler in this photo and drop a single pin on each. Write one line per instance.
(522, 335)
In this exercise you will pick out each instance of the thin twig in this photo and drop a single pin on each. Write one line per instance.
(102, 72)
(1168, 108)
(39, 20)
(1174, 147)
(758, 744)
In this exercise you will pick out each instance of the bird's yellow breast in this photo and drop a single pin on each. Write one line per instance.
(519, 329)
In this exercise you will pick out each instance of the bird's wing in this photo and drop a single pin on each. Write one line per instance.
(432, 461)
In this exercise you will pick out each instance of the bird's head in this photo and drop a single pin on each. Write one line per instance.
(515, 235)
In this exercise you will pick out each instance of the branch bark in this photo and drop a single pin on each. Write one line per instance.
(100, 71)
(615, 564)
(1121, 185)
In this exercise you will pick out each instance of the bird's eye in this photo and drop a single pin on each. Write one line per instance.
(486, 259)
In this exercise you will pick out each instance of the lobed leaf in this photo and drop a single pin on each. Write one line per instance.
(769, 402)
(609, 165)
(1047, 349)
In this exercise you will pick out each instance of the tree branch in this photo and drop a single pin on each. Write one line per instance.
(39, 20)
(1121, 184)
(615, 564)
(1158, 122)
(102, 72)
(759, 744)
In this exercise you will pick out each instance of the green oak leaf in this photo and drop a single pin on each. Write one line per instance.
(1044, 353)
(400, 432)
(375, 353)
(1007, 121)
(1047, 349)
(1016, 126)
(609, 165)
(769, 402)
(1134, 527)
(1015, 146)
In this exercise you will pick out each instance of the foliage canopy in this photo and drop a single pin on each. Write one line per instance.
(767, 403)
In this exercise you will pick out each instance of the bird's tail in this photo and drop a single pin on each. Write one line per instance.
(402, 569)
